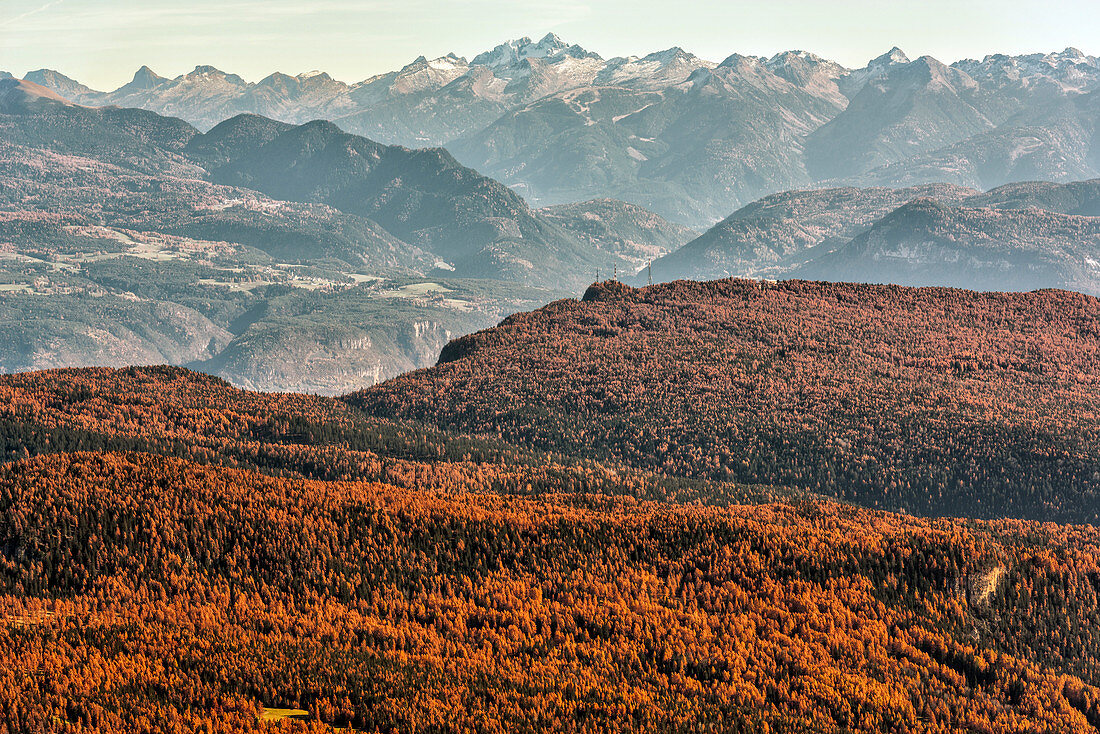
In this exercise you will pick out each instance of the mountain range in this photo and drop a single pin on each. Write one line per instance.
(317, 425)
(689, 139)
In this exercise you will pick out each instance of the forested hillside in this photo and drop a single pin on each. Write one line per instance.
(932, 401)
(178, 554)
(151, 594)
(1017, 237)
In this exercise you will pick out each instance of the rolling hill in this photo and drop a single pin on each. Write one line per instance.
(932, 401)
(473, 224)
(928, 243)
(634, 234)
(781, 230)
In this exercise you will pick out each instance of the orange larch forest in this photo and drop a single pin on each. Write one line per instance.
(669, 526)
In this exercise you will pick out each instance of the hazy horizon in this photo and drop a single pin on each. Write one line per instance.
(102, 43)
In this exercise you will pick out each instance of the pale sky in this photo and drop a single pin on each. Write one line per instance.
(102, 42)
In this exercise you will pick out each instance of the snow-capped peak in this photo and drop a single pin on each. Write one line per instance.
(204, 74)
(206, 70)
(786, 57)
(551, 40)
(669, 56)
(513, 52)
(890, 58)
(448, 63)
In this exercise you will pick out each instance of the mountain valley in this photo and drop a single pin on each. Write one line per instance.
(281, 257)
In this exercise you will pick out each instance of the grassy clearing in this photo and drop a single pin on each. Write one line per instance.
(413, 290)
(277, 715)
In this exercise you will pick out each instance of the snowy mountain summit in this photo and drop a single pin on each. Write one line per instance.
(550, 48)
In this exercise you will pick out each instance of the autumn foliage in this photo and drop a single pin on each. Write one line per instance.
(142, 593)
(177, 555)
(929, 400)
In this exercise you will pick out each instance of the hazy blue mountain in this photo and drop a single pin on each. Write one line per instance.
(779, 231)
(927, 242)
(689, 152)
(820, 77)
(426, 105)
(910, 109)
(144, 80)
(33, 115)
(1080, 197)
(68, 88)
(1010, 83)
(1020, 236)
(475, 226)
(628, 232)
(1054, 140)
(20, 97)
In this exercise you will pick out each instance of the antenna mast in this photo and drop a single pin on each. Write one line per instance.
(649, 269)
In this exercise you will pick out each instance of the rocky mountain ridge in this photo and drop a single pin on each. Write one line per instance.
(687, 138)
